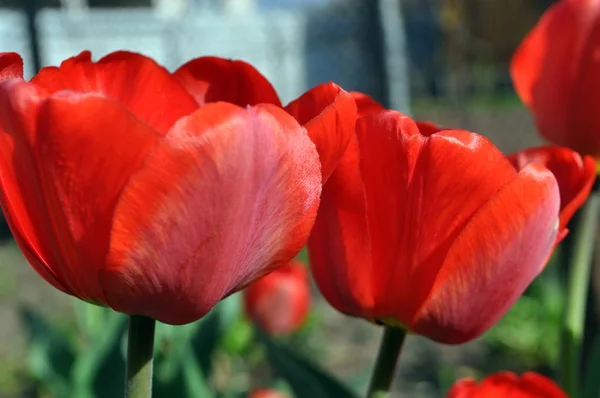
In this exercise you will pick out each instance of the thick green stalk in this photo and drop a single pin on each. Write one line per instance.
(140, 351)
(580, 269)
(385, 367)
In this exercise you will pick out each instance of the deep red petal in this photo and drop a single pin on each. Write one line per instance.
(420, 194)
(494, 258)
(365, 104)
(329, 115)
(67, 159)
(22, 194)
(428, 128)
(141, 85)
(556, 72)
(213, 79)
(540, 386)
(11, 65)
(229, 195)
(575, 175)
(339, 246)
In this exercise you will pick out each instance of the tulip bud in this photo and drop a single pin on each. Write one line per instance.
(265, 393)
(280, 302)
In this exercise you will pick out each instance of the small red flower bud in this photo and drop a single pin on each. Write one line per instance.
(280, 302)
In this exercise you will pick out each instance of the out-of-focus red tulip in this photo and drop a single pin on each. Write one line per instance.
(122, 190)
(266, 393)
(556, 73)
(575, 175)
(438, 234)
(280, 302)
(507, 384)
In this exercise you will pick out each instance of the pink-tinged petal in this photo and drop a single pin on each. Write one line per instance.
(11, 65)
(365, 103)
(556, 74)
(80, 150)
(228, 196)
(329, 115)
(421, 191)
(213, 79)
(147, 89)
(575, 175)
(494, 258)
(339, 246)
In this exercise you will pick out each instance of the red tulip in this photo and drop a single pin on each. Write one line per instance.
(507, 384)
(122, 189)
(556, 73)
(438, 234)
(575, 175)
(266, 393)
(326, 111)
(280, 302)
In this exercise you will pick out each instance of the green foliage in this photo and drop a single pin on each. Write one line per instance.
(305, 378)
(591, 387)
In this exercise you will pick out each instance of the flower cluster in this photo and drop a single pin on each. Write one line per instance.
(159, 194)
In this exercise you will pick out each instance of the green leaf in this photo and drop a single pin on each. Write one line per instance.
(195, 380)
(102, 360)
(304, 377)
(206, 339)
(591, 383)
(50, 356)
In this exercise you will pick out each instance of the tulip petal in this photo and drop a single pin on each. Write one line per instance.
(428, 128)
(339, 246)
(67, 159)
(229, 195)
(21, 194)
(575, 175)
(11, 65)
(494, 258)
(213, 79)
(507, 384)
(365, 103)
(329, 114)
(540, 386)
(555, 73)
(421, 192)
(464, 388)
(147, 89)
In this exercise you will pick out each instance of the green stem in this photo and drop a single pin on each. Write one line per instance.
(580, 269)
(140, 351)
(385, 367)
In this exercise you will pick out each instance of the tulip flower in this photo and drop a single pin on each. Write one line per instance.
(574, 173)
(435, 234)
(556, 73)
(507, 384)
(266, 393)
(280, 302)
(125, 187)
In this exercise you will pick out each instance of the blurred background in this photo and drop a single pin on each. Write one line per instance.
(441, 60)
